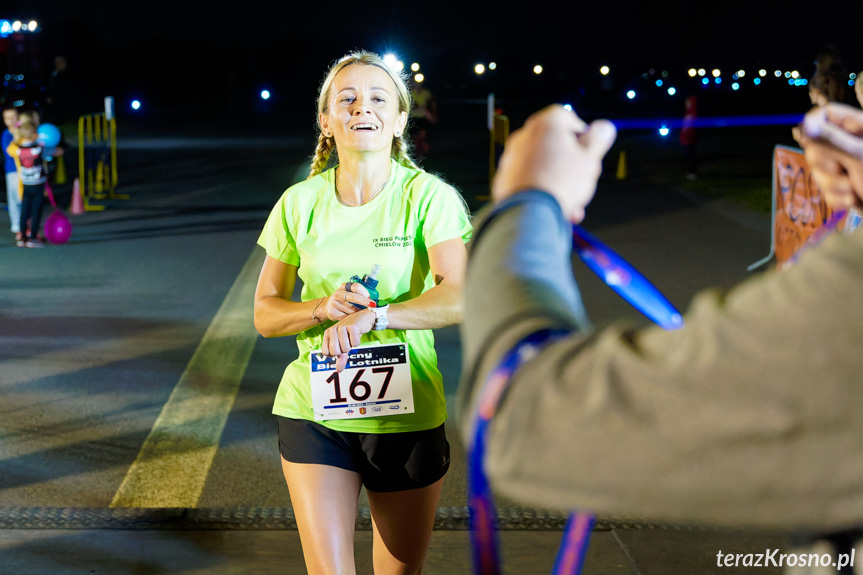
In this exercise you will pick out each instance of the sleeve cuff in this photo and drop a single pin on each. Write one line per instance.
(529, 196)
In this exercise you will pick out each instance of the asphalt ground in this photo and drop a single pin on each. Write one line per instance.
(135, 426)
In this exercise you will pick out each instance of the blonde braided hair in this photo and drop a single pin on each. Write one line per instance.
(322, 154)
(401, 153)
(326, 147)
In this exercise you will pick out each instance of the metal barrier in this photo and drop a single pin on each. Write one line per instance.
(498, 129)
(497, 141)
(97, 160)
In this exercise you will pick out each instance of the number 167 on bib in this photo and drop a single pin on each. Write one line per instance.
(375, 383)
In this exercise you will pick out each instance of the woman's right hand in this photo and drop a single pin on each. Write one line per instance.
(339, 306)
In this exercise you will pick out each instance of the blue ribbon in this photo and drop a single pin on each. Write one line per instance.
(629, 283)
(486, 557)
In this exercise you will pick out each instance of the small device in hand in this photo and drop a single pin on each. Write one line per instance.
(370, 282)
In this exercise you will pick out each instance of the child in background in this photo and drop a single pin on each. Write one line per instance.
(31, 116)
(32, 176)
(34, 117)
(10, 120)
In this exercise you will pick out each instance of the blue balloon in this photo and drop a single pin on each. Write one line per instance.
(49, 135)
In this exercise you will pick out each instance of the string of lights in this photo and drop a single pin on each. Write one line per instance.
(8, 27)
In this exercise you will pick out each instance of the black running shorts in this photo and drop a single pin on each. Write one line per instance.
(385, 461)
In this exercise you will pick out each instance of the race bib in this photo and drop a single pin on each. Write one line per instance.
(375, 383)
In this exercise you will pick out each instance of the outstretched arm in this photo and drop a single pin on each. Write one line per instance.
(742, 417)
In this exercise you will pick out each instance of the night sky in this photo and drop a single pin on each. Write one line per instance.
(168, 50)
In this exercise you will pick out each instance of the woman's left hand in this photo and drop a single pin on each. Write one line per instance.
(345, 335)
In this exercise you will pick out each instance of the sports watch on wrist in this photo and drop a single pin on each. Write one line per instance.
(381, 321)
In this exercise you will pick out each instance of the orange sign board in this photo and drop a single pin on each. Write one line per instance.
(799, 208)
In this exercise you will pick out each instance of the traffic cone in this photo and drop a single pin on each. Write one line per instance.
(621, 166)
(77, 206)
(60, 174)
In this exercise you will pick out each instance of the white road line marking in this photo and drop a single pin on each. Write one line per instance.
(175, 459)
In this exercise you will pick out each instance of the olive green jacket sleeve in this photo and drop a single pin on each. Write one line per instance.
(750, 415)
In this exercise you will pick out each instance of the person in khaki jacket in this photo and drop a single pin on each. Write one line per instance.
(747, 416)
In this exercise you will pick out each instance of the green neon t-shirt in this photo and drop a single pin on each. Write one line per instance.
(330, 242)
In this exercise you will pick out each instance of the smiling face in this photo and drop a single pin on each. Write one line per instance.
(363, 110)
